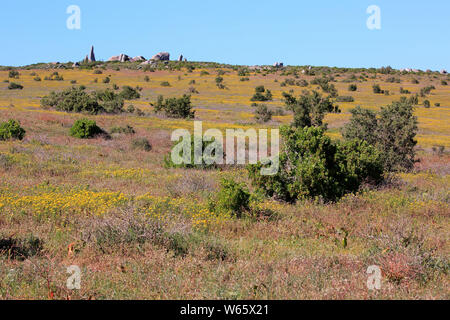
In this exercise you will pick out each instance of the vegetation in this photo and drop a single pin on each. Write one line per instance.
(11, 130)
(85, 129)
(175, 107)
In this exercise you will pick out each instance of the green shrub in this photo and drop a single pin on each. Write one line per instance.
(312, 166)
(123, 130)
(377, 89)
(11, 130)
(147, 79)
(15, 86)
(309, 109)
(107, 80)
(141, 144)
(426, 103)
(392, 131)
(345, 99)
(37, 78)
(352, 87)
(444, 83)
(261, 94)
(175, 107)
(97, 71)
(263, 114)
(85, 129)
(404, 91)
(165, 84)
(73, 100)
(13, 74)
(129, 93)
(232, 198)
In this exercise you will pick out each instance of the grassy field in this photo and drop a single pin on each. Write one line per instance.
(139, 230)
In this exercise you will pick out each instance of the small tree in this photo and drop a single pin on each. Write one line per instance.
(392, 131)
(309, 109)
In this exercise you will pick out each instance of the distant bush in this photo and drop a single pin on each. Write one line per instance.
(263, 114)
(165, 84)
(392, 131)
(261, 94)
(85, 129)
(175, 107)
(204, 73)
(13, 74)
(107, 80)
(141, 144)
(73, 81)
(129, 93)
(309, 109)
(146, 78)
(312, 166)
(232, 198)
(415, 81)
(404, 91)
(352, 87)
(243, 79)
(426, 103)
(377, 89)
(345, 99)
(11, 130)
(15, 86)
(426, 90)
(443, 82)
(123, 130)
(437, 104)
(97, 71)
(393, 80)
(37, 78)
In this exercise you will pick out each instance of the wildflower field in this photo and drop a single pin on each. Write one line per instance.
(140, 230)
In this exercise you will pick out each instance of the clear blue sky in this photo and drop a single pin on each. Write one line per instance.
(413, 33)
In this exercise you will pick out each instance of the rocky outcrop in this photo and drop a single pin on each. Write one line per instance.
(92, 55)
(121, 58)
(278, 64)
(162, 56)
(443, 71)
(138, 58)
(180, 58)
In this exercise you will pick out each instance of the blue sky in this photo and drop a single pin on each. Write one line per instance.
(322, 32)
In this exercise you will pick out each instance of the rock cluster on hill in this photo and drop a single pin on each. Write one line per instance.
(162, 56)
(121, 58)
(278, 64)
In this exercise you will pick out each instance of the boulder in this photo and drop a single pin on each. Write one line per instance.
(180, 58)
(121, 58)
(162, 56)
(278, 64)
(138, 58)
(75, 65)
(443, 71)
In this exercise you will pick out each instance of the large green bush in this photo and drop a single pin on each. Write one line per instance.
(392, 131)
(85, 129)
(312, 166)
(11, 130)
(175, 107)
(76, 99)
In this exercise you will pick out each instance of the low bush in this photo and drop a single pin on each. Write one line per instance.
(345, 99)
(263, 114)
(15, 86)
(232, 198)
(13, 74)
(141, 144)
(11, 130)
(165, 84)
(352, 87)
(129, 93)
(85, 129)
(123, 130)
(261, 94)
